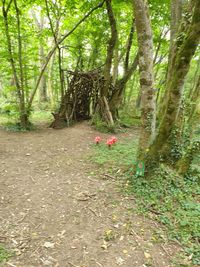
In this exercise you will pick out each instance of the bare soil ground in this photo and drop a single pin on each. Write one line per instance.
(54, 213)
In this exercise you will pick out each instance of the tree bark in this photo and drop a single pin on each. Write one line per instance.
(175, 82)
(110, 49)
(148, 107)
(103, 109)
(184, 164)
(120, 86)
(194, 101)
(175, 23)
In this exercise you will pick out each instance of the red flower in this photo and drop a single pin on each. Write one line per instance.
(97, 139)
(109, 142)
(114, 139)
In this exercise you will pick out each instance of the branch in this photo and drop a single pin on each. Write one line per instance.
(111, 46)
(128, 73)
(129, 44)
(51, 52)
(8, 7)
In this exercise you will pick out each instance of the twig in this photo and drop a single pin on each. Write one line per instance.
(72, 264)
(155, 212)
(168, 254)
(94, 212)
(10, 264)
(109, 176)
(99, 264)
(19, 221)
(32, 179)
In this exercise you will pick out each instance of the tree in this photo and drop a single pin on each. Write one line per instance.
(145, 43)
(16, 63)
(186, 44)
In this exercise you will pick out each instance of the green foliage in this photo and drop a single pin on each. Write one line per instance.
(8, 107)
(174, 200)
(9, 121)
(4, 254)
(41, 116)
(129, 118)
(102, 126)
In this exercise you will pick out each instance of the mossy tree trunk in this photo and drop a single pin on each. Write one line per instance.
(175, 82)
(148, 106)
(183, 165)
(194, 100)
(175, 21)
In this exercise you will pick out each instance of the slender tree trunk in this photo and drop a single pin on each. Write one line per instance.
(55, 35)
(115, 66)
(120, 86)
(103, 108)
(148, 107)
(43, 83)
(110, 49)
(129, 45)
(19, 78)
(23, 112)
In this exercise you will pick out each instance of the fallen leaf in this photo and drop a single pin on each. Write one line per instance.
(147, 255)
(49, 245)
(120, 261)
(121, 238)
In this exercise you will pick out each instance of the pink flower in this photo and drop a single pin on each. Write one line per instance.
(97, 139)
(109, 142)
(114, 139)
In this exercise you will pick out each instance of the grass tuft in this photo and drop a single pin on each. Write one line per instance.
(4, 254)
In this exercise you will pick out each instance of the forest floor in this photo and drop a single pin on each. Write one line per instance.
(54, 211)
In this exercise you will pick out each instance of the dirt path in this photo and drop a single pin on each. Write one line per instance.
(53, 213)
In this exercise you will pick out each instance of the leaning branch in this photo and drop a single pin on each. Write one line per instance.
(51, 52)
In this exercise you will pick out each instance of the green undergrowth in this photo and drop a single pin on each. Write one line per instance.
(129, 118)
(123, 152)
(10, 122)
(172, 200)
(126, 120)
(4, 254)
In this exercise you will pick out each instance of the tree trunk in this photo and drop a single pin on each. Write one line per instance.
(18, 78)
(175, 22)
(148, 107)
(103, 108)
(43, 83)
(175, 82)
(194, 101)
(120, 86)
